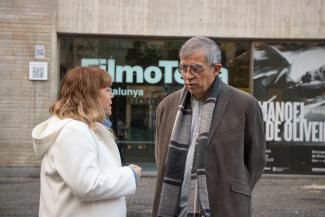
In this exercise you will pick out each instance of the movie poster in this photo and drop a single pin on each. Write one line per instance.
(289, 83)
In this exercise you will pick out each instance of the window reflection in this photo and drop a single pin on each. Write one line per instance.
(142, 81)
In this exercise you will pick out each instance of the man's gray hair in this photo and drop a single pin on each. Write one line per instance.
(210, 48)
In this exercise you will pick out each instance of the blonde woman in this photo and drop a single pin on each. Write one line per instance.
(81, 172)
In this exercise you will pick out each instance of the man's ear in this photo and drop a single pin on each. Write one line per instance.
(217, 68)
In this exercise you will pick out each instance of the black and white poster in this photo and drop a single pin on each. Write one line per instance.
(289, 83)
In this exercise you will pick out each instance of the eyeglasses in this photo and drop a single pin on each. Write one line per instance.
(194, 68)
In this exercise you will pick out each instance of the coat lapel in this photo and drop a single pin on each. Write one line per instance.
(224, 97)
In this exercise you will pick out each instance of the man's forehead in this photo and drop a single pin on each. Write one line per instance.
(197, 55)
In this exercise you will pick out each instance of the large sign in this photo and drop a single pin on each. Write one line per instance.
(289, 82)
(165, 71)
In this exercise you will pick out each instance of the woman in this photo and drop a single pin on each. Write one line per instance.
(81, 172)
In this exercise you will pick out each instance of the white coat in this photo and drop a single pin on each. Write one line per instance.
(81, 172)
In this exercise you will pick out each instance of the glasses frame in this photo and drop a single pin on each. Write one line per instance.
(191, 67)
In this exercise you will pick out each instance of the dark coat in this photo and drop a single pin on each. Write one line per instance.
(236, 155)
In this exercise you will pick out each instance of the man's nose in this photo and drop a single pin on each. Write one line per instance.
(188, 74)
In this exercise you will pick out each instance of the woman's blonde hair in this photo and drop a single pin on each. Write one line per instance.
(77, 97)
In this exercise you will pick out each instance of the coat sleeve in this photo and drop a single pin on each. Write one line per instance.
(254, 143)
(75, 158)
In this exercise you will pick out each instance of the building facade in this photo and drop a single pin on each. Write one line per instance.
(272, 49)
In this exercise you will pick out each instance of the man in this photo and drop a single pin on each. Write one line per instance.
(209, 141)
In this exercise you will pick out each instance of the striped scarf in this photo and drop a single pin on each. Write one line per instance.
(177, 154)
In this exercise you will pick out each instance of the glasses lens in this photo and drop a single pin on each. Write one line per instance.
(196, 68)
(182, 69)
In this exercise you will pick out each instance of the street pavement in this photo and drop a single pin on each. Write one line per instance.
(274, 196)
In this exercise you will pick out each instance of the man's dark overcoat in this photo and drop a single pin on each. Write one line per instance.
(236, 155)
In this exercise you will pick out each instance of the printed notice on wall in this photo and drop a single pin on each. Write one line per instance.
(38, 70)
(39, 51)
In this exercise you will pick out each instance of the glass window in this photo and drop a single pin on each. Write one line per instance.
(144, 71)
